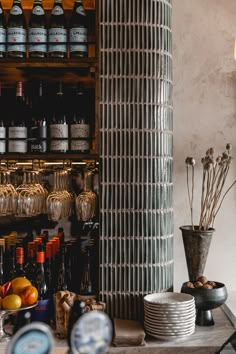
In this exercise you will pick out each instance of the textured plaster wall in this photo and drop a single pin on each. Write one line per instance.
(204, 32)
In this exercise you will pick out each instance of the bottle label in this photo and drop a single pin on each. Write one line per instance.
(38, 10)
(16, 35)
(17, 133)
(2, 146)
(59, 131)
(17, 146)
(59, 145)
(3, 35)
(16, 10)
(80, 11)
(79, 145)
(57, 35)
(38, 146)
(37, 35)
(57, 11)
(80, 35)
(80, 130)
(1, 11)
(2, 132)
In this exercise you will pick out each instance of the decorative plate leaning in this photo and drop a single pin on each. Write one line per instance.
(197, 238)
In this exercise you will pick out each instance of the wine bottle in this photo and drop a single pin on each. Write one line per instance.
(59, 131)
(61, 276)
(48, 268)
(12, 262)
(3, 33)
(19, 271)
(80, 128)
(2, 279)
(38, 31)
(17, 132)
(31, 267)
(16, 31)
(38, 128)
(40, 278)
(86, 282)
(57, 32)
(78, 32)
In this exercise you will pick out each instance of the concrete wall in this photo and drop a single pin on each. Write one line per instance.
(204, 32)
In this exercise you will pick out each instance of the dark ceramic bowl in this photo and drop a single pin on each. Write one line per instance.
(207, 300)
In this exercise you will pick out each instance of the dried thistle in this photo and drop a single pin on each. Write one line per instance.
(215, 171)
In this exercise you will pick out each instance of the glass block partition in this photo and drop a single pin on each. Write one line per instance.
(136, 157)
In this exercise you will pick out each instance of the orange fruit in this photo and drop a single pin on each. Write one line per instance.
(18, 284)
(11, 302)
(29, 295)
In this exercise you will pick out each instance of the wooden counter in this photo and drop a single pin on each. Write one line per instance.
(205, 340)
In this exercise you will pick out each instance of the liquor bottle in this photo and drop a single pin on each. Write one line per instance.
(19, 270)
(59, 131)
(31, 267)
(2, 279)
(38, 31)
(78, 32)
(17, 132)
(16, 32)
(57, 33)
(3, 33)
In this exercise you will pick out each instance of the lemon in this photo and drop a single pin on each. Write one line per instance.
(11, 302)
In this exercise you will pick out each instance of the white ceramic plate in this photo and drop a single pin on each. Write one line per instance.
(173, 321)
(168, 298)
(182, 325)
(169, 333)
(170, 313)
(168, 338)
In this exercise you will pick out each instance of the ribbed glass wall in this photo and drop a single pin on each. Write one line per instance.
(136, 157)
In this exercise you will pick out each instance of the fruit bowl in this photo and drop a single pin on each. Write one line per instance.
(4, 337)
(206, 300)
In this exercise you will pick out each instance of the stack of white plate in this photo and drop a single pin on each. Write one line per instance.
(169, 316)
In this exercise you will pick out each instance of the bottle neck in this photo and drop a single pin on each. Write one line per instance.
(37, 2)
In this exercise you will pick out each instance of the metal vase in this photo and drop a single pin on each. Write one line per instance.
(196, 246)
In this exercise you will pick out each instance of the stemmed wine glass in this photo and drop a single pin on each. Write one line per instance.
(86, 201)
(60, 200)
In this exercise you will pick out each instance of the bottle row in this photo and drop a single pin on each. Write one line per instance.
(41, 38)
(47, 266)
(46, 123)
(50, 265)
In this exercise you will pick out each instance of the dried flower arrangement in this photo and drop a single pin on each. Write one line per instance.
(215, 171)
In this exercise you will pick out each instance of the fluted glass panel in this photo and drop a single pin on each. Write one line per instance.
(136, 152)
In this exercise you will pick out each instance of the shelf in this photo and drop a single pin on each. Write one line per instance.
(50, 156)
(66, 70)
